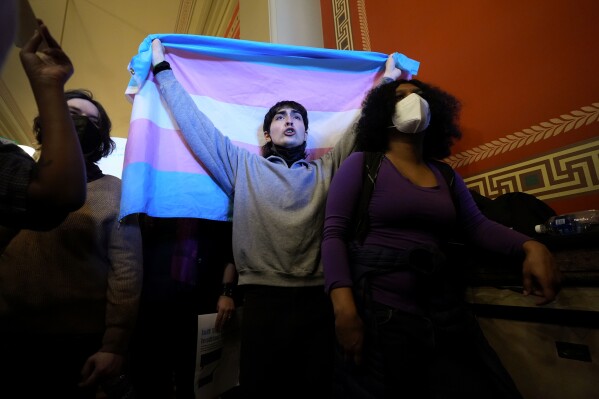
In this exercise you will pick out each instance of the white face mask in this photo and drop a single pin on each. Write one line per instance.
(412, 114)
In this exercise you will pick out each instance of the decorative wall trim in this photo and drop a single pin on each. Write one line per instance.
(342, 23)
(553, 127)
(363, 25)
(233, 28)
(184, 18)
(567, 172)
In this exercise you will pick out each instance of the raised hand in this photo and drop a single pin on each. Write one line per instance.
(49, 65)
(157, 52)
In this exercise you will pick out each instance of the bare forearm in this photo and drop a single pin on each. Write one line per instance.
(343, 301)
(59, 184)
(230, 274)
(60, 180)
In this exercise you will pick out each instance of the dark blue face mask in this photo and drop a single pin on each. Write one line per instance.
(89, 134)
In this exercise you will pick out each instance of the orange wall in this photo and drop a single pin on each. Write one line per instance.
(515, 65)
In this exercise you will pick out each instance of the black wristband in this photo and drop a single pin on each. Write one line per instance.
(228, 290)
(161, 66)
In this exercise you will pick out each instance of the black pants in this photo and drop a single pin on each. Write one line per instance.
(287, 343)
(163, 349)
(163, 346)
(443, 356)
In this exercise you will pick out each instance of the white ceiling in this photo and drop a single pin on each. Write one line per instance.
(100, 37)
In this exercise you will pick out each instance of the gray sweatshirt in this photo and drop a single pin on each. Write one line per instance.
(278, 211)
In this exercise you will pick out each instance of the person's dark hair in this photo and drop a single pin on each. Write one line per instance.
(107, 145)
(267, 147)
(372, 129)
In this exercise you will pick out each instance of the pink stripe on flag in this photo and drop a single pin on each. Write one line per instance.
(261, 85)
(162, 148)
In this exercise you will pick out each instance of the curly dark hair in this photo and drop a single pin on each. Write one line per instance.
(267, 147)
(107, 145)
(372, 129)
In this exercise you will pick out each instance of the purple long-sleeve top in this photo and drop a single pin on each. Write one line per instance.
(401, 216)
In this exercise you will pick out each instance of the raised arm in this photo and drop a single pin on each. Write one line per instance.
(157, 52)
(347, 143)
(392, 72)
(58, 184)
(217, 153)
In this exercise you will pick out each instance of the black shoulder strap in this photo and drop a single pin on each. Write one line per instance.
(372, 164)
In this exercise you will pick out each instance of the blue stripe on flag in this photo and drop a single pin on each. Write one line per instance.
(178, 195)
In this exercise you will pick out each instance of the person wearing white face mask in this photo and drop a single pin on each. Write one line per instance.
(412, 114)
(401, 324)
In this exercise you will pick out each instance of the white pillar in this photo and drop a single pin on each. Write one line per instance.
(296, 22)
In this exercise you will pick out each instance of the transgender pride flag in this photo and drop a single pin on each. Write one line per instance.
(234, 82)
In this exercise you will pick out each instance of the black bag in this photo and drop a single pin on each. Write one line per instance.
(519, 211)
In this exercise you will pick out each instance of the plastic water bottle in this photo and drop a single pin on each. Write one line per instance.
(571, 223)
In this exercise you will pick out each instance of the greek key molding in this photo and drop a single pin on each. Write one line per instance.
(342, 22)
(567, 172)
(363, 25)
(567, 122)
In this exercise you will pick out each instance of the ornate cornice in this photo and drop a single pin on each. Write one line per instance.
(567, 122)
(363, 25)
(184, 17)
